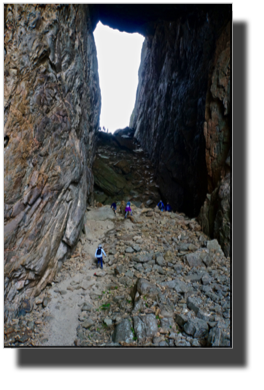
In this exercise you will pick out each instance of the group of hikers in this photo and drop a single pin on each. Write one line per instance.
(164, 208)
(103, 129)
(100, 252)
(127, 209)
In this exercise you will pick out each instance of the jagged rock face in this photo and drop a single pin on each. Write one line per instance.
(217, 125)
(52, 105)
(182, 111)
(215, 215)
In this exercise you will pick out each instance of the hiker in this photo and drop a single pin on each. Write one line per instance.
(99, 255)
(128, 209)
(113, 207)
(168, 207)
(161, 205)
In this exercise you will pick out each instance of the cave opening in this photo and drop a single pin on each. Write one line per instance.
(118, 56)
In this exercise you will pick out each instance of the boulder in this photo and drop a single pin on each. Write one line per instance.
(196, 259)
(196, 328)
(218, 337)
(143, 258)
(147, 289)
(145, 326)
(194, 303)
(160, 260)
(123, 332)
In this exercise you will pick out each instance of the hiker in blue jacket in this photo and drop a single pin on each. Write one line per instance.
(161, 205)
(99, 255)
(113, 207)
(168, 207)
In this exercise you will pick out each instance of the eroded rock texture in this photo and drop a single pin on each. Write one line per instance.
(182, 113)
(52, 104)
(215, 215)
(169, 112)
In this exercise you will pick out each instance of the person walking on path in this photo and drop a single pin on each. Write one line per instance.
(113, 207)
(168, 207)
(128, 209)
(99, 255)
(161, 205)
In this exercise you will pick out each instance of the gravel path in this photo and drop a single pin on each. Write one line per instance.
(67, 296)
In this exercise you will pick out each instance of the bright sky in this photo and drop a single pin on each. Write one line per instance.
(118, 62)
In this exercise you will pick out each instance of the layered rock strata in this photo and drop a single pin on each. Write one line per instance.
(52, 105)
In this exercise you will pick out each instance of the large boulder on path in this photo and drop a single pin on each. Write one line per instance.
(123, 332)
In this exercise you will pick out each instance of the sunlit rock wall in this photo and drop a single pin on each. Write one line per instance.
(52, 104)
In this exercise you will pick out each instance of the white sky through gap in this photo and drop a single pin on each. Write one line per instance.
(118, 56)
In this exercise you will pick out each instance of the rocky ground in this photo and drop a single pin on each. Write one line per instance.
(122, 171)
(164, 283)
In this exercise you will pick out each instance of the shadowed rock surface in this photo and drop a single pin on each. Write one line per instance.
(52, 105)
(169, 113)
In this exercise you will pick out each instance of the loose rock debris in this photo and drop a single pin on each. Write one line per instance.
(164, 283)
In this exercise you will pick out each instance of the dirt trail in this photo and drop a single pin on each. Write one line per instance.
(68, 295)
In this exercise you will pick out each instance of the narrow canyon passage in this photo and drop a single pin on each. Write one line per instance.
(166, 280)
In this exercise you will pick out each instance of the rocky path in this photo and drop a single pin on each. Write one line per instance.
(164, 283)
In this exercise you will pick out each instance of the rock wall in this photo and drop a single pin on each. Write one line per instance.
(215, 215)
(52, 106)
(182, 115)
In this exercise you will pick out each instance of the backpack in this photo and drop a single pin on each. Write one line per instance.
(99, 251)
